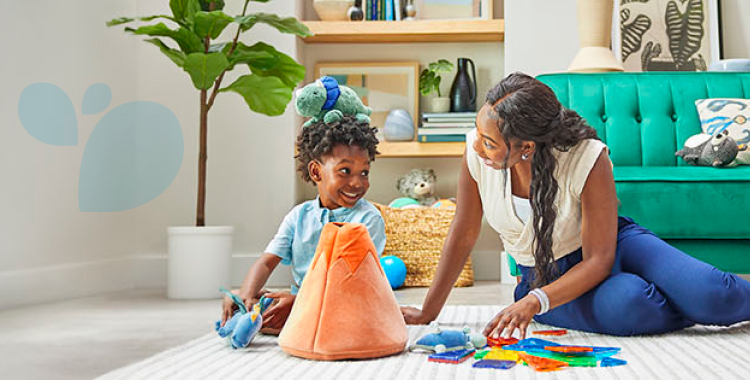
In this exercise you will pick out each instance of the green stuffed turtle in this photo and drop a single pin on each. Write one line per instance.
(326, 100)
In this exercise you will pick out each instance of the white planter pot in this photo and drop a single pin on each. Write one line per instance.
(199, 259)
(442, 104)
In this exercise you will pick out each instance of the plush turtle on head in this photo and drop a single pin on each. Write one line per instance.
(706, 150)
(327, 100)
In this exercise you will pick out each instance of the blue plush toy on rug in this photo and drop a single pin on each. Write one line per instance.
(440, 341)
(244, 325)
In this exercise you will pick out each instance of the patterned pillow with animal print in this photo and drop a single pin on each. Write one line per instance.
(733, 115)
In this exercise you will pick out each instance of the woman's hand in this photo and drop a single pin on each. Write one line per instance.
(275, 316)
(516, 316)
(414, 316)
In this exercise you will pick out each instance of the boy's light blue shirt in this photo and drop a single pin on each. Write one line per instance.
(298, 235)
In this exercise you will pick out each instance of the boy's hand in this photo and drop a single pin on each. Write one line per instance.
(228, 308)
(414, 316)
(275, 316)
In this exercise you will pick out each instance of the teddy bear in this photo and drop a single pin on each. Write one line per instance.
(706, 150)
(326, 100)
(418, 184)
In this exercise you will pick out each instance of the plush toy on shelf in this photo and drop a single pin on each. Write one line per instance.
(706, 150)
(440, 341)
(244, 324)
(326, 100)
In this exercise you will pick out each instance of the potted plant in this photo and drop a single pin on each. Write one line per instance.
(429, 82)
(199, 256)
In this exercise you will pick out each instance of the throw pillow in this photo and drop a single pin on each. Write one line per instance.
(717, 115)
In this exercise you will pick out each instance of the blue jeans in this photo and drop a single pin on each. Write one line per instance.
(653, 288)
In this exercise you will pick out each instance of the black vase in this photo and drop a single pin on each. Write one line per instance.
(464, 89)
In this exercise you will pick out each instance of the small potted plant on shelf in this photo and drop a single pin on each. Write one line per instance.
(429, 82)
(199, 256)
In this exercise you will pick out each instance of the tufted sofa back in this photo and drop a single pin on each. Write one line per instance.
(644, 117)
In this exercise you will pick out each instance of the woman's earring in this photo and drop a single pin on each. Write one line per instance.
(524, 156)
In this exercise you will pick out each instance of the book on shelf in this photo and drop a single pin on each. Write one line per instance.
(440, 138)
(451, 120)
(440, 124)
(443, 115)
(444, 131)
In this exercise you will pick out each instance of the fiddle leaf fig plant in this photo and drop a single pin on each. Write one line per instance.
(188, 37)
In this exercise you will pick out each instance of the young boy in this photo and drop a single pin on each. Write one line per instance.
(336, 159)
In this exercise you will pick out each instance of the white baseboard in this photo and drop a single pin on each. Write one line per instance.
(83, 279)
(75, 280)
(58, 282)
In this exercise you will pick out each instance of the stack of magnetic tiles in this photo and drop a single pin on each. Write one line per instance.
(539, 354)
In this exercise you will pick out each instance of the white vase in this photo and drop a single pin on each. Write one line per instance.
(333, 10)
(199, 260)
(440, 104)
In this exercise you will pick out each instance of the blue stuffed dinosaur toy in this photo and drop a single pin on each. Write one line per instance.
(244, 324)
(439, 340)
(328, 101)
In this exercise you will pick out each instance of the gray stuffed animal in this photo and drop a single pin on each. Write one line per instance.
(418, 184)
(706, 150)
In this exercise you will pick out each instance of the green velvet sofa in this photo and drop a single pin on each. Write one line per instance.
(644, 118)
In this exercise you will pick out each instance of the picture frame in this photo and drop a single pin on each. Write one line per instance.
(642, 42)
(454, 9)
(382, 86)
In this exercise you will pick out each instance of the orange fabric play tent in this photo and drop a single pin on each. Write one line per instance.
(345, 308)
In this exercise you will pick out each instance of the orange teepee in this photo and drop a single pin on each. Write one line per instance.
(345, 308)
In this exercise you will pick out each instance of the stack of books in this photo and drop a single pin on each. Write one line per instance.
(445, 126)
(383, 10)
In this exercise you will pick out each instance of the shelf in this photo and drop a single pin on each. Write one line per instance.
(406, 31)
(418, 149)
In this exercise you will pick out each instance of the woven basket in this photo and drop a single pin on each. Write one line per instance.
(417, 236)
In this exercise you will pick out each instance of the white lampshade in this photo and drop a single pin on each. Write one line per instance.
(594, 30)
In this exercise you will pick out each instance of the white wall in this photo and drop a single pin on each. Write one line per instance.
(46, 244)
(541, 36)
(48, 248)
(735, 28)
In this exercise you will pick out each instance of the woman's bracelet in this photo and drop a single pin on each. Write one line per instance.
(543, 300)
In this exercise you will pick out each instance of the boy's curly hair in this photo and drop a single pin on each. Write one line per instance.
(318, 139)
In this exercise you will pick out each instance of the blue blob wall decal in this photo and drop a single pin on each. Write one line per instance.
(96, 99)
(133, 155)
(47, 114)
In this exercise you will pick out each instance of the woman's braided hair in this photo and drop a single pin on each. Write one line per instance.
(528, 110)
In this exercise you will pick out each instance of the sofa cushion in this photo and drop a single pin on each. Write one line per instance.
(686, 202)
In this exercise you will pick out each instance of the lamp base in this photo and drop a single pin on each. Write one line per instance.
(595, 59)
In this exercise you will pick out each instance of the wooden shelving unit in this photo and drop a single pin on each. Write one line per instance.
(384, 32)
(417, 149)
(406, 31)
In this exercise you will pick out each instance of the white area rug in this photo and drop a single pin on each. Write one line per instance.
(696, 353)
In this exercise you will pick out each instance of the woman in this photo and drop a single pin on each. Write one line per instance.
(544, 181)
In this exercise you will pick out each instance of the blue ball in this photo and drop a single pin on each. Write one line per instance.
(394, 269)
